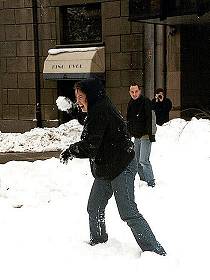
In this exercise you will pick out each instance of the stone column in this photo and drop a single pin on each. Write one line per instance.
(149, 59)
(159, 57)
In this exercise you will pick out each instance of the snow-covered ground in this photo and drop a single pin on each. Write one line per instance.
(44, 224)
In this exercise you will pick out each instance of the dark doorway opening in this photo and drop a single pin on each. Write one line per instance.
(65, 88)
(195, 71)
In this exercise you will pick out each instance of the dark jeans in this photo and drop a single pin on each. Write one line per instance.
(123, 188)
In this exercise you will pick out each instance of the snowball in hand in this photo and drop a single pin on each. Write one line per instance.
(64, 103)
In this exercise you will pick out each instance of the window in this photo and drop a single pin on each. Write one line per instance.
(82, 24)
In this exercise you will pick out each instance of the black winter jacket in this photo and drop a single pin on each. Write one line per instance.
(104, 139)
(139, 117)
(162, 110)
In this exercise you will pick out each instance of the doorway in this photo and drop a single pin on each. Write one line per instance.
(195, 71)
(65, 88)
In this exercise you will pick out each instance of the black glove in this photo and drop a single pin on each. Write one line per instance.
(65, 156)
(152, 138)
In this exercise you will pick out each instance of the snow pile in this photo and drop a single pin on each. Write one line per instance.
(44, 223)
(177, 132)
(189, 137)
(41, 139)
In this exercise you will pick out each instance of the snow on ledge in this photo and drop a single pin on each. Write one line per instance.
(71, 50)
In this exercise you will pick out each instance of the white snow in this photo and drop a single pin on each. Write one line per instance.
(70, 50)
(41, 139)
(44, 223)
(64, 103)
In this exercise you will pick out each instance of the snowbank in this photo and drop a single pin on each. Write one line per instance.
(41, 139)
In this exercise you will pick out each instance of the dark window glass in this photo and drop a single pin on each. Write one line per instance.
(82, 24)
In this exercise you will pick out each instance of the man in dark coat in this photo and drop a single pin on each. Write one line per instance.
(162, 106)
(106, 143)
(140, 120)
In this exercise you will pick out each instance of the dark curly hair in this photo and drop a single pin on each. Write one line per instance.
(92, 88)
(158, 90)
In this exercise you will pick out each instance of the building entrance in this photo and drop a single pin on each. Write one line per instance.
(195, 70)
(65, 88)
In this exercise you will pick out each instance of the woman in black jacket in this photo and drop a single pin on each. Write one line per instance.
(106, 143)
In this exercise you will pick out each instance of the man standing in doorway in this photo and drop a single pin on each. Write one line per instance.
(140, 123)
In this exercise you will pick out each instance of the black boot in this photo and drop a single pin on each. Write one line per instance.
(94, 242)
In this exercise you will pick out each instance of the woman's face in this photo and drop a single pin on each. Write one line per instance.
(81, 100)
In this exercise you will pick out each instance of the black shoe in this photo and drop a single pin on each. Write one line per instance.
(94, 242)
(160, 251)
(151, 184)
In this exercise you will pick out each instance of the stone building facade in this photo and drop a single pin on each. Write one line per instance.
(152, 55)
(123, 42)
(176, 44)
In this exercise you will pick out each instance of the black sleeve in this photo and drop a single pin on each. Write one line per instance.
(91, 138)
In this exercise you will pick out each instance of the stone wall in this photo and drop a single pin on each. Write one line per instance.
(16, 69)
(124, 58)
(124, 51)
